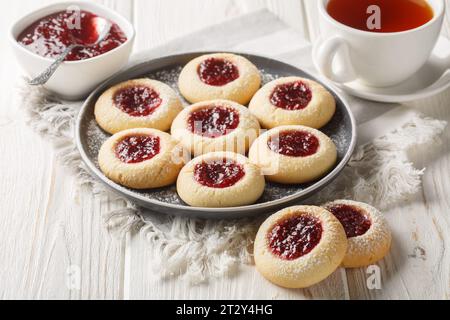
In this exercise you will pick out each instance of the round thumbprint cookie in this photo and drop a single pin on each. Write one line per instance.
(368, 233)
(219, 76)
(293, 154)
(141, 158)
(299, 246)
(293, 101)
(216, 125)
(220, 179)
(140, 103)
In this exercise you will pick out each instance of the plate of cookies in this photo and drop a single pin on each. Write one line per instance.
(215, 135)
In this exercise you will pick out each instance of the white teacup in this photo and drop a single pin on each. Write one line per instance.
(375, 59)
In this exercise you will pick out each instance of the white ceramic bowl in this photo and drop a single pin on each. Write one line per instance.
(74, 79)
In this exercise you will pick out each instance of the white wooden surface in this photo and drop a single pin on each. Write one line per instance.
(45, 235)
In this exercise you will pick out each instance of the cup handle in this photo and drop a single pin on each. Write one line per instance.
(327, 51)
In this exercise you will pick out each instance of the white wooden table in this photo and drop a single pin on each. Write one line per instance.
(46, 236)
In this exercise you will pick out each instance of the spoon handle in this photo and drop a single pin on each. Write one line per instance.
(45, 76)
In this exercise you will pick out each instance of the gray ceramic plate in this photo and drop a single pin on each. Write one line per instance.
(90, 137)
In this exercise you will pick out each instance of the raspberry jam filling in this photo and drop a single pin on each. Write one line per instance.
(217, 72)
(354, 220)
(295, 237)
(51, 35)
(139, 148)
(213, 122)
(137, 101)
(291, 96)
(294, 143)
(219, 173)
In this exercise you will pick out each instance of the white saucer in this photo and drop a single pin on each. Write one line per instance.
(434, 77)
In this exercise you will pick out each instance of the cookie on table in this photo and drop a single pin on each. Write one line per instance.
(293, 154)
(293, 101)
(139, 103)
(220, 179)
(141, 158)
(369, 236)
(219, 76)
(216, 125)
(299, 246)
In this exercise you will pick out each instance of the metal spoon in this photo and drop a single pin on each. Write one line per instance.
(103, 27)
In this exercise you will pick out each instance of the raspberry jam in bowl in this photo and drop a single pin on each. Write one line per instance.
(41, 36)
(51, 35)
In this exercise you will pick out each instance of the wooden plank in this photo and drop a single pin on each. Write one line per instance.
(50, 237)
(158, 21)
(446, 27)
(125, 8)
